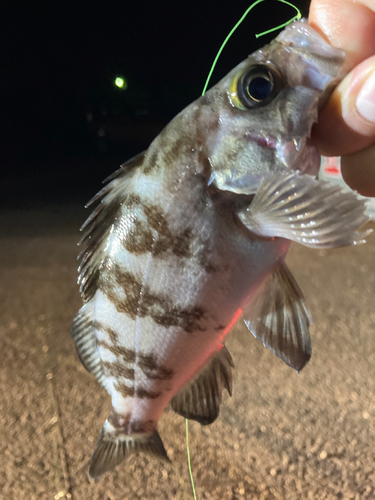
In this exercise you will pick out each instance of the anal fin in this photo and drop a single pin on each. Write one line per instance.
(279, 318)
(84, 335)
(200, 398)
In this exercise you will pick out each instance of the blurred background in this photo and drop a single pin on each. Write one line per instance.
(83, 88)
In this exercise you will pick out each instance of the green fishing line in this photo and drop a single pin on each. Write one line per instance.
(297, 16)
(188, 457)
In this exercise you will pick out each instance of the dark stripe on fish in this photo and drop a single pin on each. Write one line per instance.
(179, 244)
(204, 260)
(113, 336)
(161, 309)
(129, 305)
(167, 151)
(146, 362)
(117, 369)
(130, 425)
(150, 162)
(124, 389)
(126, 354)
(141, 240)
(141, 393)
(152, 369)
(144, 394)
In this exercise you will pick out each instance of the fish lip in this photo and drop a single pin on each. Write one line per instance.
(265, 141)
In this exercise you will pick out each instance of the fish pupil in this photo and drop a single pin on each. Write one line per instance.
(259, 88)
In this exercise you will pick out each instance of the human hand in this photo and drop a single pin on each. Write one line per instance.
(346, 126)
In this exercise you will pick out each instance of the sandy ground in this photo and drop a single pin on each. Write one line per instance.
(281, 436)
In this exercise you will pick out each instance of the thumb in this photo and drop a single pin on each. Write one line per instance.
(347, 123)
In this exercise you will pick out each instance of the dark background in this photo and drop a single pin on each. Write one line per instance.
(64, 124)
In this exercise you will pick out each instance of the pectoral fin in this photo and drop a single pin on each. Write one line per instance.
(200, 399)
(280, 319)
(312, 212)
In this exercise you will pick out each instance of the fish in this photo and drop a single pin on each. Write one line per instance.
(190, 236)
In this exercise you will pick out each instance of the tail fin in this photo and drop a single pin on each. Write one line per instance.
(113, 447)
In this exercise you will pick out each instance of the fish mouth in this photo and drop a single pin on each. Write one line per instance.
(264, 141)
(299, 154)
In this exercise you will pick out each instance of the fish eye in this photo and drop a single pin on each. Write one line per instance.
(256, 87)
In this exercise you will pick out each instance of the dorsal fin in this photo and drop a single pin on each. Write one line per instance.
(200, 398)
(98, 225)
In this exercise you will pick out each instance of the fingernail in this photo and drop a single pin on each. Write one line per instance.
(366, 99)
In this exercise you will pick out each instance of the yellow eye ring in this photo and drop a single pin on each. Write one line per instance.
(255, 87)
(233, 92)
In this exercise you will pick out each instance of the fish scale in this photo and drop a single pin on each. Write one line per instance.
(192, 234)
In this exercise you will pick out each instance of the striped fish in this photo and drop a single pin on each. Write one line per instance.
(191, 235)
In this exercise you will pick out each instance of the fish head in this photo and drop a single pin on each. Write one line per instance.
(263, 110)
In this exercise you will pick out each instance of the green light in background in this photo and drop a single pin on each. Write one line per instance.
(121, 83)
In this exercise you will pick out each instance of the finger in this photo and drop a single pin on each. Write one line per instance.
(347, 123)
(348, 24)
(358, 171)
